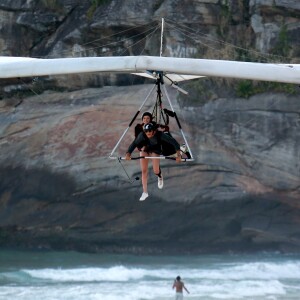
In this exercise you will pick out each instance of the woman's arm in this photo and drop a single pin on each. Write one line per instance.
(165, 128)
(138, 129)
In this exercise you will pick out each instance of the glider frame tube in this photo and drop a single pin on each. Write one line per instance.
(151, 157)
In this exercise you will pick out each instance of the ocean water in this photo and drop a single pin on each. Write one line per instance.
(77, 276)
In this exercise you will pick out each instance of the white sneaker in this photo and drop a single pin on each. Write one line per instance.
(144, 196)
(160, 182)
(183, 148)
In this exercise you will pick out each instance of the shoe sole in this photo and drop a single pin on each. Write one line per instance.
(143, 199)
(160, 187)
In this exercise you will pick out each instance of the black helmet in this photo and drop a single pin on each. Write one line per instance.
(149, 127)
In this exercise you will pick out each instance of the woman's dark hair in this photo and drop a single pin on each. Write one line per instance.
(147, 113)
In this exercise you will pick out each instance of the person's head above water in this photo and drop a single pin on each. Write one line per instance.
(178, 278)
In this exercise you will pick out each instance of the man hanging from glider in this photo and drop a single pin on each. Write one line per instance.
(167, 149)
(148, 118)
(150, 144)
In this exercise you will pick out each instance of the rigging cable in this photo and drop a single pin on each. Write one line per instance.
(130, 180)
(186, 31)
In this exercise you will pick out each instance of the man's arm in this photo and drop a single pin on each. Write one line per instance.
(174, 284)
(136, 142)
(170, 140)
(185, 288)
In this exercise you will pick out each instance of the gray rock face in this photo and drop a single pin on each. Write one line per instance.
(59, 189)
(80, 28)
(266, 17)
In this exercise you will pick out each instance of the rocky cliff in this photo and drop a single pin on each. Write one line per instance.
(205, 28)
(58, 188)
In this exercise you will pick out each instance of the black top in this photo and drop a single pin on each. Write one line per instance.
(153, 144)
(139, 128)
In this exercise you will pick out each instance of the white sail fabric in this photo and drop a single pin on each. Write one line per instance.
(172, 77)
(29, 67)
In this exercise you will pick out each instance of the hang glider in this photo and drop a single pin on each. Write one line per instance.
(160, 115)
(170, 79)
(14, 67)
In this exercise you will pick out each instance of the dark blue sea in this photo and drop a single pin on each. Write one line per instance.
(37, 275)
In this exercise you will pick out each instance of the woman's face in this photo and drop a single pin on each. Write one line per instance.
(146, 119)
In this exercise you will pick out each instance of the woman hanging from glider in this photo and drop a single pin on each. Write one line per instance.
(150, 144)
(148, 118)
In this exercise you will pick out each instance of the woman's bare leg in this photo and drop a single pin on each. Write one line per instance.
(155, 164)
(144, 168)
(157, 171)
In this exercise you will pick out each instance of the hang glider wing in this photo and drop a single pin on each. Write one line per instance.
(172, 77)
(13, 59)
(29, 67)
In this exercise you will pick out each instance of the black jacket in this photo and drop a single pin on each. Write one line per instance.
(154, 144)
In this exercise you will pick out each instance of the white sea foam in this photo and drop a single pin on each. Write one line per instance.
(151, 278)
(142, 290)
(257, 271)
(113, 274)
(228, 282)
(262, 270)
(232, 289)
(86, 292)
